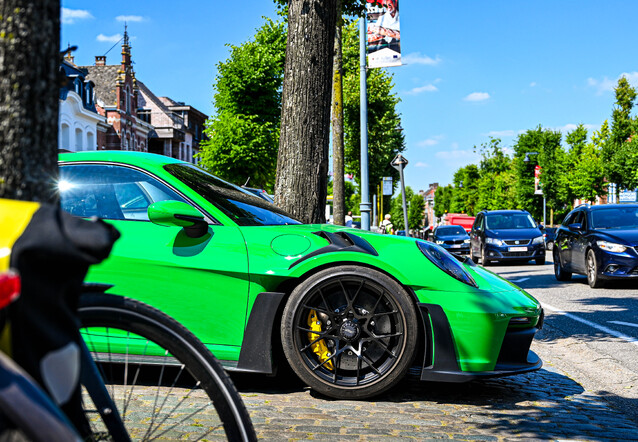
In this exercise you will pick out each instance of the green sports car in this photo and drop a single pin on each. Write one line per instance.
(350, 311)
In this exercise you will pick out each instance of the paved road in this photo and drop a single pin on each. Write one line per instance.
(587, 389)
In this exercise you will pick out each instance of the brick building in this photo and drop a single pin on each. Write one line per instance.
(116, 97)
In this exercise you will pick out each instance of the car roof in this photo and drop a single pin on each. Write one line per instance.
(118, 156)
(504, 212)
(610, 206)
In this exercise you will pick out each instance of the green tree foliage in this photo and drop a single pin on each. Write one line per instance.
(385, 139)
(620, 152)
(244, 133)
(416, 206)
(416, 211)
(442, 200)
(496, 188)
(547, 144)
(586, 172)
(465, 194)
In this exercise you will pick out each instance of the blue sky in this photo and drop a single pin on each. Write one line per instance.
(473, 68)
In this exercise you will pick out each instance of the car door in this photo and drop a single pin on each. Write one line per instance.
(579, 244)
(201, 282)
(567, 241)
(475, 235)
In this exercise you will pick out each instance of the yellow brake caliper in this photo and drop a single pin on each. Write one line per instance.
(319, 347)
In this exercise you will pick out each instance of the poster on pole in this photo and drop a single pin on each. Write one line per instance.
(538, 189)
(384, 36)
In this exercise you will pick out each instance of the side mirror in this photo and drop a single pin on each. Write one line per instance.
(575, 226)
(177, 213)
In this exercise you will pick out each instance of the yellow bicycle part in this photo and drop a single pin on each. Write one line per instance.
(319, 348)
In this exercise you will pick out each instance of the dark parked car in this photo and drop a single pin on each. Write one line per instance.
(598, 241)
(549, 233)
(506, 235)
(453, 238)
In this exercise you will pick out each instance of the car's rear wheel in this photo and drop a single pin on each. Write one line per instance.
(593, 279)
(349, 332)
(559, 271)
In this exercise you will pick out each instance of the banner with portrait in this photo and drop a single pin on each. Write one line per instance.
(383, 33)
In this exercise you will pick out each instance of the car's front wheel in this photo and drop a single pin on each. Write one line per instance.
(559, 271)
(484, 260)
(593, 279)
(349, 332)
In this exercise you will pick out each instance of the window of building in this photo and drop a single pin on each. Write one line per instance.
(65, 137)
(78, 139)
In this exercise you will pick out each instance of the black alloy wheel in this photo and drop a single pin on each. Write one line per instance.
(593, 279)
(559, 271)
(349, 332)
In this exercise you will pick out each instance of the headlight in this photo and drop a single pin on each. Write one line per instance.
(538, 240)
(611, 247)
(495, 241)
(438, 241)
(466, 241)
(446, 262)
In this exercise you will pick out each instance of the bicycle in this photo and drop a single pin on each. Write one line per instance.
(114, 327)
(53, 265)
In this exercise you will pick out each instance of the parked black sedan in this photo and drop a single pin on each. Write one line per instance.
(598, 241)
(453, 238)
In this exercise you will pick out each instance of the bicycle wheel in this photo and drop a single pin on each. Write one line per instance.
(165, 383)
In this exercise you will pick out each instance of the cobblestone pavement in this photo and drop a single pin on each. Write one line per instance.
(544, 405)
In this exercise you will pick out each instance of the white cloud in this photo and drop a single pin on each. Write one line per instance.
(421, 89)
(477, 96)
(109, 38)
(422, 165)
(532, 84)
(70, 16)
(417, 58)
(501, 133)
(608, 85)
(430, 141)
(129, 18)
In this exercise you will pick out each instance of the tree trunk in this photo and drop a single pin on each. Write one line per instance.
(29, 90)
(338, 168)
(302, 164)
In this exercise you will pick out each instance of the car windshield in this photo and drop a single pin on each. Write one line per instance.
(242, 207)
(615, 218)
(506, 221)
(450, 230)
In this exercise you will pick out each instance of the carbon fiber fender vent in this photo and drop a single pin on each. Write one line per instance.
(339, 242)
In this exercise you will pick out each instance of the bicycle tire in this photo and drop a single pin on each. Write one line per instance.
(113, 325)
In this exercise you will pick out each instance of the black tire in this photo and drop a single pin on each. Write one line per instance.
(540, 261)
(593, 278)
(367, 326)
(559, 271)
(200, 385)
(484, 261)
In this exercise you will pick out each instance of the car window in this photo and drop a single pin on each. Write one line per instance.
(110, 192)
(568, 219)
(450, 230)
(506, 221)
(615, 218)
(241, 206)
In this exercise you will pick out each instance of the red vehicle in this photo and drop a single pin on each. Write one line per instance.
(460, 219)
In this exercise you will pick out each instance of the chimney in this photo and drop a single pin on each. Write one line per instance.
(100, 60)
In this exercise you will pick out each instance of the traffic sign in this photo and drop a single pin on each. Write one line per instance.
(399, 162)
(387, 185)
